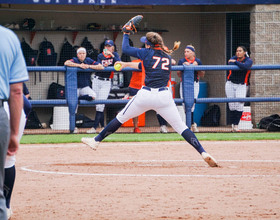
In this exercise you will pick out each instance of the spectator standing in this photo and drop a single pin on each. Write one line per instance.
(236, 85)
(101, 82)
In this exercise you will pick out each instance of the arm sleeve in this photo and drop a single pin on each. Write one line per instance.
(91, 61)
(99, 59)
(25, 89)
(199, 62)
(180, 62)
(247, 65)
(232, 58)
(127, 49)
(117, 57)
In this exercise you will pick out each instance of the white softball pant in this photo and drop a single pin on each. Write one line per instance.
(102, 89)
(235, 91)
(86, 91)
(196, 91)
(11, 160)
(159, 101)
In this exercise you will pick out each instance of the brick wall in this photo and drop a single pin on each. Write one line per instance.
(265, 49)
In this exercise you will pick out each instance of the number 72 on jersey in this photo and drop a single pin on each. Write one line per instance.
(163, 61)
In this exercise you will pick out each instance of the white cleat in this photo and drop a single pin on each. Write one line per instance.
(194, 128)
(9, 213)
(91, 131)
(235, 128)
(163, 129)
(209, 159)
(76, 130)
(91, 142)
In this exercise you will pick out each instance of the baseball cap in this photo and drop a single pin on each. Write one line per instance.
(145, 41)
(109, 43)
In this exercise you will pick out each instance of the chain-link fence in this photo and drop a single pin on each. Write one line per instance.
(215, 37)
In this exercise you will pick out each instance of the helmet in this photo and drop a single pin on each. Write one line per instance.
(28, 24)
(93, 26)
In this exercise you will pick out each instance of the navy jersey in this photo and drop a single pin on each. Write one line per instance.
(240, 76)
(103, 59)
(156, 62)
(26, 106)
(196, 79)
(25, 89)
(83, 78)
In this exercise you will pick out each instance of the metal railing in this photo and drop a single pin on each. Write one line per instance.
(187, 82)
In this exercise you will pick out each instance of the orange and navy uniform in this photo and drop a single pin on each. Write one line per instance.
(240, 76)
(108, 59)
(138, 77)
(196, 78)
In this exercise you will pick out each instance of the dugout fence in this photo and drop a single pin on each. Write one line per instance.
(71, 101)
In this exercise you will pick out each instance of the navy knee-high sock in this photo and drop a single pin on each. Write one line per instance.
(192, 118)
(98, 116)
(161, 120)
(232, 117)
(189, 136)
(102, 120)
(238, 115)
(10, 175)
(109, 129)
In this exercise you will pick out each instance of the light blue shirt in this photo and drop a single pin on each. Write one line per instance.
(12, 64)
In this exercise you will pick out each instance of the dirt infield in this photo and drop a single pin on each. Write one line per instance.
(161, 180)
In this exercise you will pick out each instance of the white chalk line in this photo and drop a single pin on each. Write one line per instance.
(159, 175)
(165, 143)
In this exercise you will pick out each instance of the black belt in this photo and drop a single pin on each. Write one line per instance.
(242, 83)
(159, 89)
(101, 78)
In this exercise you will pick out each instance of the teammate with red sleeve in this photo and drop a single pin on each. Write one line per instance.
(136, 83)
(101, 81)
(155, 95)
(237, 81)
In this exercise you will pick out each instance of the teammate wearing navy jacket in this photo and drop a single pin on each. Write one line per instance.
(237, 81)
(101, 81)
(83, 78)
(191, 59)
(155, 95)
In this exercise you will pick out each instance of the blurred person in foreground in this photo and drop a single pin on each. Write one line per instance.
(13, 73)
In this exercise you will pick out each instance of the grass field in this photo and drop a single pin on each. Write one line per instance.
(147, 137)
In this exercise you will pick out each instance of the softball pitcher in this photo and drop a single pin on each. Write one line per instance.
(155, 95)
(237, 80)
(101, 82)
(190, 59)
